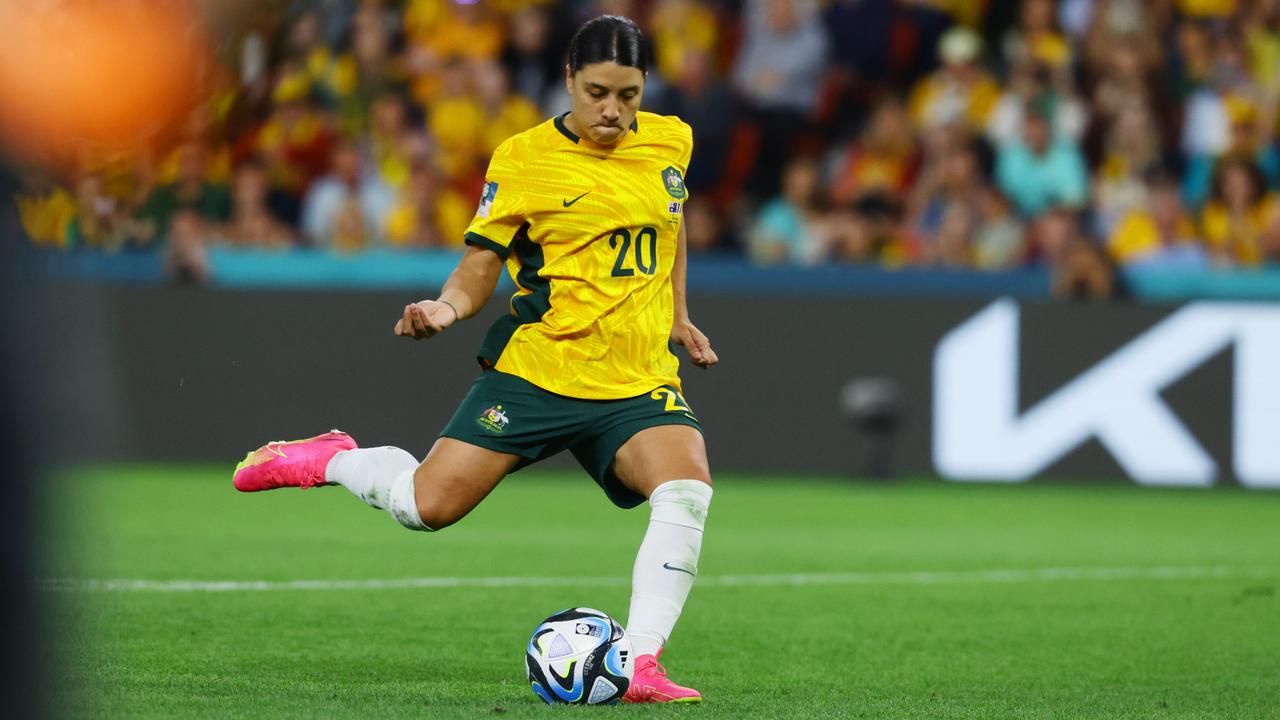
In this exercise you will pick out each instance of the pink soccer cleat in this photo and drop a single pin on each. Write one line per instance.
(649, 684)
(296, 463)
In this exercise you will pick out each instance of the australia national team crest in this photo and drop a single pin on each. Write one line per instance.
(674, 184)
(494, 419)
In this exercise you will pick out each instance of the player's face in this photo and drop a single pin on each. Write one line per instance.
(606, 97)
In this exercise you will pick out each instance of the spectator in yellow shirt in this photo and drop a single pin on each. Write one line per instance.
(679, 26)
(354, 79)
(506, 114)
(428, 213)
(884, 159)
(1241, 218)
(1130, 152)
(385, 147)
(293, 145)
(960, 92)
(963, 12)
(1261, 29)
(1159, 231)
(46, 211)
(454, 29)
(1207, 9)
(1036, 38)
(440, 32)
(457, 123)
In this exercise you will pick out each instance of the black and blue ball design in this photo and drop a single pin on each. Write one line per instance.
(579, 656)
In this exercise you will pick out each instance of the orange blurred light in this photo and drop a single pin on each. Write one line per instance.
(108, 75)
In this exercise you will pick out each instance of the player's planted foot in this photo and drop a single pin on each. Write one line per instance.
(296, 463)
(649, 684)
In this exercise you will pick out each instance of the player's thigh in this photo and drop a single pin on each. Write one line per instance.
(658, 454)
(454, 478)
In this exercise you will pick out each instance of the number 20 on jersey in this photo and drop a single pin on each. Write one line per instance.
(645, 242)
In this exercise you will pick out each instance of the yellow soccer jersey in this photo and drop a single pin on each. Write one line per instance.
(589, 234)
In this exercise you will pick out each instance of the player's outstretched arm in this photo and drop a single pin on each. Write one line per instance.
(466, 291)
(683, 331)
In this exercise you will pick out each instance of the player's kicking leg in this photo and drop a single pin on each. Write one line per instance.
(668, 465)
(432, 495)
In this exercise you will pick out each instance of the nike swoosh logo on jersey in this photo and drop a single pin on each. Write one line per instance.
(567, 203)
(677, 569)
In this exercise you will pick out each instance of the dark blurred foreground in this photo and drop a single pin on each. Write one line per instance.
(22, 663)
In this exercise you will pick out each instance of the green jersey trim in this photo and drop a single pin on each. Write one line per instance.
(526, 308)
(564, 129)
(481, 241)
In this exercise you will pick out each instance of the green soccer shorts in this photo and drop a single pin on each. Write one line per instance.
(509, 414)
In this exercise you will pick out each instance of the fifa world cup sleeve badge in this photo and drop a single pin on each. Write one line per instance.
(486, 199)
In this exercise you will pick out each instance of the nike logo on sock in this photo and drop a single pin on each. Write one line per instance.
(678, 569)
(567, 203)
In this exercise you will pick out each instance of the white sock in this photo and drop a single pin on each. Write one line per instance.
(382, 477)
(667, 562)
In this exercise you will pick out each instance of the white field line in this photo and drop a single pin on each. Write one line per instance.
(1035, 575)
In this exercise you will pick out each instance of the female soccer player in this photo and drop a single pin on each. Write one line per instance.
(585, 210)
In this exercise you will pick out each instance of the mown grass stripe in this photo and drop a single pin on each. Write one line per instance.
(926, 577)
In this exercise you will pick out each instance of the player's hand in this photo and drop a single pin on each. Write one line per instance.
(699, 347)
(425, 319)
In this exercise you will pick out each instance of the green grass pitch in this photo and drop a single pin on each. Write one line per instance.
(1163, 604)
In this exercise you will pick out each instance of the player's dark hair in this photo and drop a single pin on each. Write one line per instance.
(609, 38)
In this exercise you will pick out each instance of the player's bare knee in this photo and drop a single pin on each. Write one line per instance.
(694, 471)
(695, 468)
(438, 518)
(437, 507)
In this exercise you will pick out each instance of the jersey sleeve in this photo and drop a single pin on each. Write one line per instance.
(681, 138)
(684, 140)
(501, 213)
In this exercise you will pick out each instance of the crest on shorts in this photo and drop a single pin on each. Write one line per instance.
(673, 182)
(494, 419)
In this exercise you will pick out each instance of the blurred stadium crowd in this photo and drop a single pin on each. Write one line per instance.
(1081, 135)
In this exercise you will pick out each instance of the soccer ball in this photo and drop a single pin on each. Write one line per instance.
(579, 656)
